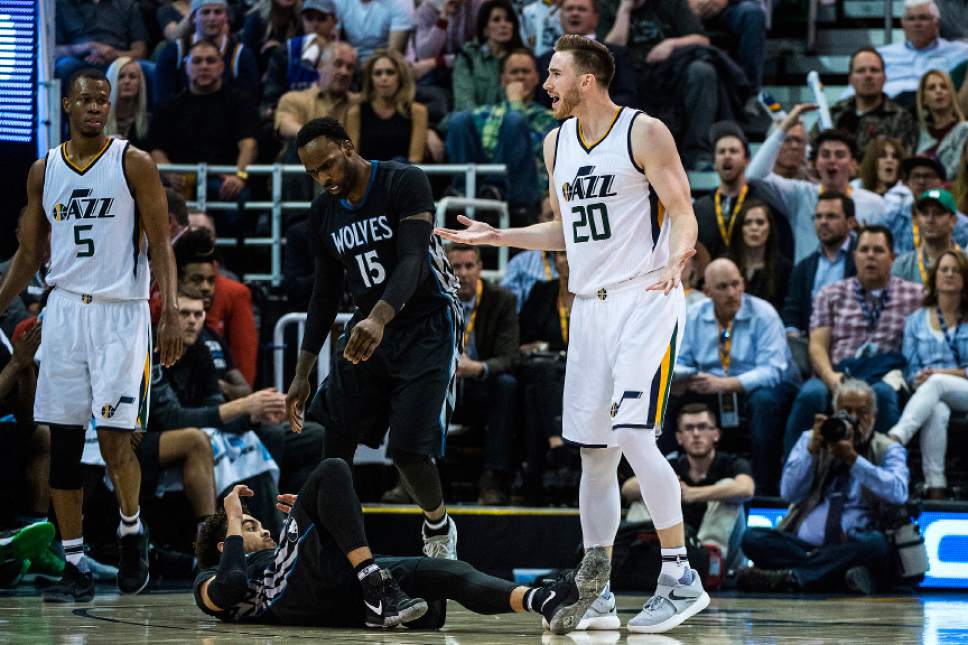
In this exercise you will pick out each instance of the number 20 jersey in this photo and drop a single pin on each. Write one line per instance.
(97, 243)
(615, 227)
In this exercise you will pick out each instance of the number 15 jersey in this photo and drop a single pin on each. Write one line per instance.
(98, 246)
(615, 227)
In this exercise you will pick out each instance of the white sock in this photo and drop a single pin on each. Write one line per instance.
(130, 525)
(74, 552)
(675, 562)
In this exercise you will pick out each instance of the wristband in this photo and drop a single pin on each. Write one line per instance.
(243, 175)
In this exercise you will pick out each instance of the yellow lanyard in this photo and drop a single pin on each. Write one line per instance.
(728, 234)
(725, 345)
(563, 320)
(547, 265)
(470, 324)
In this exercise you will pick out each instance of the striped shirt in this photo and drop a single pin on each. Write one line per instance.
(924, 346)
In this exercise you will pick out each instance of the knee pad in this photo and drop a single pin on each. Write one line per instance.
(66, 448)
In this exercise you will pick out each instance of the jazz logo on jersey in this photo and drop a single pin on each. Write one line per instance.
(587, 185)
(82, 206)
(628, 394)
(108, 410)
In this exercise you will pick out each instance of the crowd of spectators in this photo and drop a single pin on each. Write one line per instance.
(830, 271)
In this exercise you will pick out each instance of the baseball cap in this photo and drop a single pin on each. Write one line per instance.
(722, 129)
(198, 4)
(911, 163)
(941, 196)
(322, 6)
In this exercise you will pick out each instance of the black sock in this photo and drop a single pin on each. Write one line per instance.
(440, 527)
(365, 568)
(534, 598)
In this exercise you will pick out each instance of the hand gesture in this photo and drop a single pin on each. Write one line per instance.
(816, 439)
(285, 502)
(671, 275)
(514, 91)
(793, 116)
(478, 233)
(26, 347)
(266, 405)
(233, 501)
(170, 344)
(922, 376)
(232, 185)
(296, 403)
(364, 340)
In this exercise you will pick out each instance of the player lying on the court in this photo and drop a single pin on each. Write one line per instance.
(322, 572)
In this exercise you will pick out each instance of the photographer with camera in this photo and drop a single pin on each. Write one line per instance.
(840, 479)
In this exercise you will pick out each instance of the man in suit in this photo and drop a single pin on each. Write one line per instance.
(833, 221)
(486, 389)
(580, 17)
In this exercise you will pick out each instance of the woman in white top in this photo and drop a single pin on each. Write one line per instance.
(942, 125)
(936, 348)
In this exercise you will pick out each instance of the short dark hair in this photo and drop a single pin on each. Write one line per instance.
(322, 127)
(176, 206)
(519, 51)
(91, 73)
(845, 202)
(876, 229)
(202, 42)
(460, 247)
(589, 56)
(212, 532)
(864, 50)
(694, 408)
(842, 136)
(195, 245)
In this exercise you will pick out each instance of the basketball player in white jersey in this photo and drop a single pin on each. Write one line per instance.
(102, 204)
(624, 216)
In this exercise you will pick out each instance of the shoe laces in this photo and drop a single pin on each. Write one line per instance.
(655, 602)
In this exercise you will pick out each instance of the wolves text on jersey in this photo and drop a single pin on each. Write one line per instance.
(361, 233)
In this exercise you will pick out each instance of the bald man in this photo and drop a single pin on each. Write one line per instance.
(735, 359)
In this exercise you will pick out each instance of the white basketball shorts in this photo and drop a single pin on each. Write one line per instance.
(95, 360)
(622, 347)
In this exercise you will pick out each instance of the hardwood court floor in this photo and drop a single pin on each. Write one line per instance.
(172, 618)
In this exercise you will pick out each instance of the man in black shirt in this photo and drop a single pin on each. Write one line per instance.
(396, 360)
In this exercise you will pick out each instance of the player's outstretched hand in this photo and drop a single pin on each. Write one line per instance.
(475, 233)
(296, 403)
(285, 502)
(233, 501)
(671, 276)
(364, 340)
(170, 346)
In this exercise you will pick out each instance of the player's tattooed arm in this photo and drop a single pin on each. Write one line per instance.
(655, 151)
(34, 228)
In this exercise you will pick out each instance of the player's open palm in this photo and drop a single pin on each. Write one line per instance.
(671, 275)
(296, 403)
(475, 233)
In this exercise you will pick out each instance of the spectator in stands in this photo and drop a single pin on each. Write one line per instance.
(163, 446)
(528, 268)
(934, 213)
(754, 249)
(680, 78)
(293, 64)
(129, 116)
(835, 158)
(387, 124)
(174, 19)
(922, 50)
(211, 22)
(856, 329)
(541, 25)
(269, 25)
(486, 387)
(717, 212)
(791, 162)
(880, 170)
(94, 34)
(745, 20)
(228, 304)
(936, 349)
(830, 537)
(551, 470)
(580, 17)
(329, 97)
(376, 24)
(442, 29)
(212, 123)
(868, 113)
(833, 221)
(919, 174)
(734, 358)
(714, 484)
(943, 127)
(477, 68)
(495, 133)
(177, 214)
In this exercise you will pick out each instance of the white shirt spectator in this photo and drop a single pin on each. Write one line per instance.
(540, 26)
(368, 23)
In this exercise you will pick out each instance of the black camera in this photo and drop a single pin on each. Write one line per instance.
(836, 426)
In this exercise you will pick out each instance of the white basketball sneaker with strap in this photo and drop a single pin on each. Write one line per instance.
(674, 601)
(443, 546)
(601, 615)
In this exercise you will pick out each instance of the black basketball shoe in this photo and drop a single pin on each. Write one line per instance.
(386, 604)
(74, 586)
(133, 564)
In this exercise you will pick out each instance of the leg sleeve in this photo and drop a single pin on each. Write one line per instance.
(435, 579)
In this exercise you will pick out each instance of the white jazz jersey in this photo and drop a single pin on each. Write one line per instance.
(615, 227)
(97, 243)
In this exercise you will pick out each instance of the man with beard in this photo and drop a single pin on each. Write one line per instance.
(397, 358)
(835, 158)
